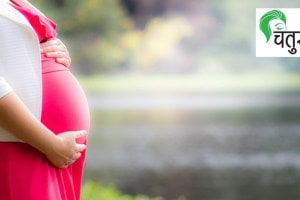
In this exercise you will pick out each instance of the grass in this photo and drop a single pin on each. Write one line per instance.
(95, 191)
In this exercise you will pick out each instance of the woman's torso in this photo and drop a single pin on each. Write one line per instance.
(64, 105)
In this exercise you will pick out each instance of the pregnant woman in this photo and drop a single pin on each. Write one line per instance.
(44, 115)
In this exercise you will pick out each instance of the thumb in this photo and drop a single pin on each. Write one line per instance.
(80, 147)
(80, 134)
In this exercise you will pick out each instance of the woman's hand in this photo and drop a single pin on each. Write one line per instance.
(66, 151)
(56, 49)
(61, 150)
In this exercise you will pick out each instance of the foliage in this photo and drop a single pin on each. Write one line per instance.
(102, 17)
(95, 191)
(103, 38)
(135, 49)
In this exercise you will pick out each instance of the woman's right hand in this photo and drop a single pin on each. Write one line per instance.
(66, 151)
(61, 150)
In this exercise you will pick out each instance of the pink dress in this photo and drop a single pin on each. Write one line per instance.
(25, 173)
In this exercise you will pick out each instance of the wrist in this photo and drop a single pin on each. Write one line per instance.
(48, 143)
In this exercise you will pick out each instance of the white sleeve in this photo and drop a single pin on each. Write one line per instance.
(4, 87)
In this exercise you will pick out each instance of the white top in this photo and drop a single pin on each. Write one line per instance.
(20, 62)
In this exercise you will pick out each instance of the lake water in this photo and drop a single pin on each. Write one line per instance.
(210, 147)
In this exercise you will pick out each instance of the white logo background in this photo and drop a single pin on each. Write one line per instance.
(270, 49)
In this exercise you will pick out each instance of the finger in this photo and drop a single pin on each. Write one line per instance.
(76, 156)
(80, 147)
(50, 46)
(51, 49)
(56, 54)
(80, 134)
(58, 42)
(72, 159)
(64, 61)
(54, 41)
(53, 46)
(49, 43)
(70, 162)
(80, 137)
(64, 166)
(60, 165)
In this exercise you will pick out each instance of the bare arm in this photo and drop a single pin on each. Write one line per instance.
(18, 120)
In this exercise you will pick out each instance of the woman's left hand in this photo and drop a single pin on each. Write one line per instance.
(56, 49)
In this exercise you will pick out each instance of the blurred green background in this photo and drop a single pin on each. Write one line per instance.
(169, 37)
(181, 106)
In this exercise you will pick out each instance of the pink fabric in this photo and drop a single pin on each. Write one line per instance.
(50, 65)
(65, 108)
(25, 173)
(44, 27)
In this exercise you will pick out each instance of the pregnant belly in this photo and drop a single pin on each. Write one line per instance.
(64, 107)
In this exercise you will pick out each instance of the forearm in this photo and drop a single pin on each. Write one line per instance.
(16, 118)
